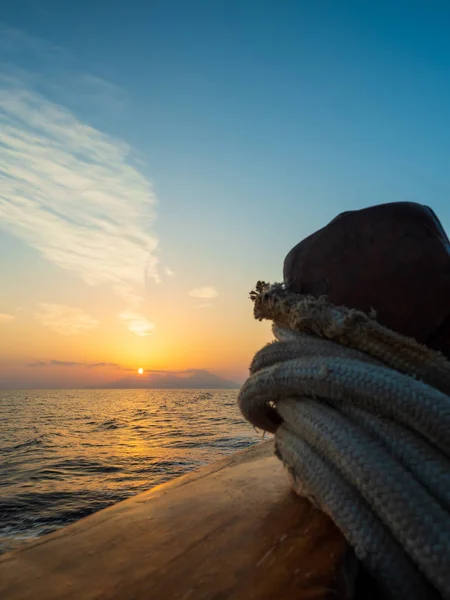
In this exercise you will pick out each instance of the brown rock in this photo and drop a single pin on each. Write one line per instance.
(394, 258)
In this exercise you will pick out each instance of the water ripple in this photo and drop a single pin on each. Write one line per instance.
(65, 455)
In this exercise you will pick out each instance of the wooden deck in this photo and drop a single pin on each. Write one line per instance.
(233, 529)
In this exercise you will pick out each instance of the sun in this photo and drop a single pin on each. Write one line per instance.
(140, 370)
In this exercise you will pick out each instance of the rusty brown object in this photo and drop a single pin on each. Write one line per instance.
(232, 530)
(393, 258)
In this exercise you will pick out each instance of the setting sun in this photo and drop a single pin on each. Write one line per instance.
(140, 370)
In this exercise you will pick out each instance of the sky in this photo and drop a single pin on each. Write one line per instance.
(158, 158)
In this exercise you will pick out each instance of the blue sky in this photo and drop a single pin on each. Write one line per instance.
(240, 104)
(255, 123)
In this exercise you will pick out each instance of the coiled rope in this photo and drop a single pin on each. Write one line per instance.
(361, 417)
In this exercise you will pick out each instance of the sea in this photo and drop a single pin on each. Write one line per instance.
(65, 454)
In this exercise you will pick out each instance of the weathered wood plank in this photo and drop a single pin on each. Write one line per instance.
(231, 530)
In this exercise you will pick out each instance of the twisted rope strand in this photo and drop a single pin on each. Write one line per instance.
(375, 388)
(361, 418)
(385, 485)
(353, 329)
(316, 479)
(426, 463)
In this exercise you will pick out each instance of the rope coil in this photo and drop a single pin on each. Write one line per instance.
(361, 417)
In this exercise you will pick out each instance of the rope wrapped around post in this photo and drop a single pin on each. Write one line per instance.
(361, 417)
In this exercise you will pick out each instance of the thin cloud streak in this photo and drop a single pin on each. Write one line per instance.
(71, 363)
(65, 320)
(4, 318)
(207, 292)
(70, 192)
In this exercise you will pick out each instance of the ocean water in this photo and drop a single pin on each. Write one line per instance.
(65, 454)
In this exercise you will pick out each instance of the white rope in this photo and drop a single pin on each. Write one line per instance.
(361, 433)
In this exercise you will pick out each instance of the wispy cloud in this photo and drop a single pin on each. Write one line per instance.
(65, 320)
(207, 292)
(6, 318)
(168, 271)
(58, 73)
(72, 193)
(137, 323)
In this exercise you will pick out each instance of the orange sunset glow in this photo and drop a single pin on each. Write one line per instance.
(133, 233)
(224, 256)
